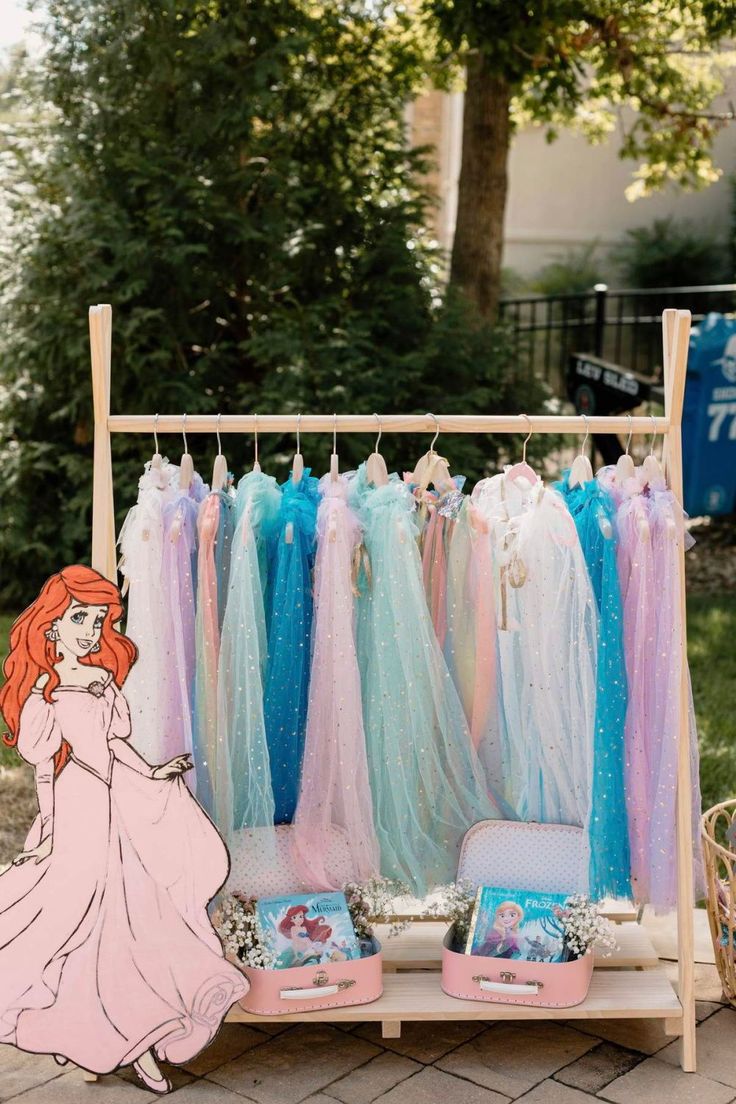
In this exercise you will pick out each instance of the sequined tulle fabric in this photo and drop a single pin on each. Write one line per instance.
(289, 640)
(593, 511)
(244, 652)
(426, 780)
(546, 621)
(335, 789)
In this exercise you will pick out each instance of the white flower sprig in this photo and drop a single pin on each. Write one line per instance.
(584, 927)
(455, 902)
(372, 902)
(236, 926)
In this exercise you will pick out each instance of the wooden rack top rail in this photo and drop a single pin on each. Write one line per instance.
(389, 423)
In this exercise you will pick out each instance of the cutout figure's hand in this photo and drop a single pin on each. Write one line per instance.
(36, 853)
(174, 767)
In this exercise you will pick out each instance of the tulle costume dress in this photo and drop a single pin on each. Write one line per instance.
(106, 948)
(243, 653)
(547, 641)
(211, 753)
(289, 640)
(335, 789)
(150, 687)
(427, 784)
(651, 530)
(593, 511)
(179, 579)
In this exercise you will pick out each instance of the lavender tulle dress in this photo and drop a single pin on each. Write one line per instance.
(106, 948)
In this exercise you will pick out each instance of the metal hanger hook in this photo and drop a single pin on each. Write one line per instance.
(528, 437)
(217, 431)
(334, 434)
(436, 421)
(380, 431)
(587, 433)
(654, 435)
(155, 434)
(628, 439)
(298, 433)
(255, 434)
(184, 432)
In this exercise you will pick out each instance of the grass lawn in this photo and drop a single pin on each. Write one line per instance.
(711, 636)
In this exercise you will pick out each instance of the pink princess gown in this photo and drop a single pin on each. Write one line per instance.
(106, 948)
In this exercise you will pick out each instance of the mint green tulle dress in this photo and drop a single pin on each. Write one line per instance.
(427, 784)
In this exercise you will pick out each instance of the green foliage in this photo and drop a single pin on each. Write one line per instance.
(234, 179)
(671, 254)
(576, 270)
(578, 62)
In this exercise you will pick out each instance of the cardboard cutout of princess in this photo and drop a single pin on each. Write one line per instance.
(107, 953)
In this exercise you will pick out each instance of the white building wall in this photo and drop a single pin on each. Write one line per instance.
(569, 193)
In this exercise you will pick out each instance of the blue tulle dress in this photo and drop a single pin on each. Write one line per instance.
(289, 639)
(427, 784)
(243, 653)
(593, 511)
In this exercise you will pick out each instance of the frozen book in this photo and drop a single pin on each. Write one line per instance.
(306, 929)
(512, 923)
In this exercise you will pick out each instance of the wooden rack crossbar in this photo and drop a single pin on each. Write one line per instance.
(634, 988)
(389, 423)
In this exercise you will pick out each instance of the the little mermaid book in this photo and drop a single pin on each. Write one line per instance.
(512, 923)
(306, 930)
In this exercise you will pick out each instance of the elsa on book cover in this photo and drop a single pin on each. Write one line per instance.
(107, 953)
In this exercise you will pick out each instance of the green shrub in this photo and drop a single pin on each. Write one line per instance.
(671, 254)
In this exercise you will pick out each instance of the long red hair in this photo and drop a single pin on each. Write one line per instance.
(315, 929)
(33, 654)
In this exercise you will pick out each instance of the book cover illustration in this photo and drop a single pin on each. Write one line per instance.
(517, 924)
(306, 929)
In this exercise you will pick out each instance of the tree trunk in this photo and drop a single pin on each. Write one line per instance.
(481, 201)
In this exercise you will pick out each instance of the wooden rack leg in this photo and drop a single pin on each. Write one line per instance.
(103, 513)
(390, 1029)
(87, 1076)
(676, 336)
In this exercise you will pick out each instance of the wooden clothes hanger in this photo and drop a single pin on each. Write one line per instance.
(219, 469)
(186, 464)
(523, 470)
(625, 468)
(582, 470)
(334, 462)
(297, 466)
(256, 462)
(156, 459)
(375, 469)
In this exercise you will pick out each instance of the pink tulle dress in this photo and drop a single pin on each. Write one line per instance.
(106, 948)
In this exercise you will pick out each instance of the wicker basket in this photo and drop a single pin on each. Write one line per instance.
(718, 830)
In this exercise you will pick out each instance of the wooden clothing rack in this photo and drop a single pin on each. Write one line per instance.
(630, 984)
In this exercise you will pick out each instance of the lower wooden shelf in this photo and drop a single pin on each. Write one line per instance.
(627, 985)
(415, 995)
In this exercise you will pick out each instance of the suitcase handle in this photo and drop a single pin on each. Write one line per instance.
(319, 990)
(525, 989)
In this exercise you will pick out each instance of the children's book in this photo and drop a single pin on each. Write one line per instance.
(512, 923)
(306, 929)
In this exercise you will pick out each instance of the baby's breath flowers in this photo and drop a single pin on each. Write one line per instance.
(372, 902)
(584, 927)
(455, 903)
(235, 924)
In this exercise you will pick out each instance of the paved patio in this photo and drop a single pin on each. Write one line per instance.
(624, 1062)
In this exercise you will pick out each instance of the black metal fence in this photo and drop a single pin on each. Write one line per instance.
(623, 326)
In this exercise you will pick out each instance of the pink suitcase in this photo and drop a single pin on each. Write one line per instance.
(262, 864)
(550, 858)
(307, 988)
